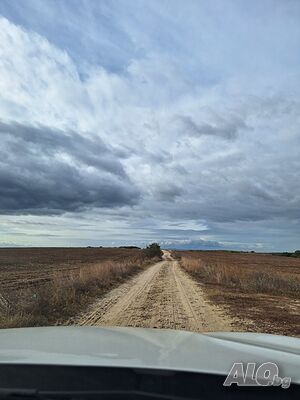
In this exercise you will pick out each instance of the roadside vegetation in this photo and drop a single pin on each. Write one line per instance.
(242, 279)
(261, 289)
(65, 291)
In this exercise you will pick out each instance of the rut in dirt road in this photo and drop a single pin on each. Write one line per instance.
(162, 296)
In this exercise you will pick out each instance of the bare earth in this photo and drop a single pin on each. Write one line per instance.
(162, 296)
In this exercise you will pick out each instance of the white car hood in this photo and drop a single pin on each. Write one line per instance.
(148, 348)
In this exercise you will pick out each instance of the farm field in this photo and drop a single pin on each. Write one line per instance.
(41, 286)
(262, 291)
(23, 267)
(200, 291)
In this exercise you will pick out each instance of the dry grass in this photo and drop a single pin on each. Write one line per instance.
(66, 293)
(24, 267)
(243, 279)
(261, 290)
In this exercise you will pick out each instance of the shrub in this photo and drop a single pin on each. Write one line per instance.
(153, 250)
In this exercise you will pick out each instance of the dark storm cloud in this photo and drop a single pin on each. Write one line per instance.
(226, 129)
(52, 142)
(46, 171)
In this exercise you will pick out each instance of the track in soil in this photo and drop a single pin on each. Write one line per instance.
(162, 296)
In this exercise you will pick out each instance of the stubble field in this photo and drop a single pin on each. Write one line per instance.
(261, 290)
(42, 286)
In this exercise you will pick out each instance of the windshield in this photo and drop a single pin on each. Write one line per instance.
(149, 165)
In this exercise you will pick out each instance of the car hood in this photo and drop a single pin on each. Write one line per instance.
(148, 348)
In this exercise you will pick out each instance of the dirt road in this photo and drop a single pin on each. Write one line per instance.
(162, 296)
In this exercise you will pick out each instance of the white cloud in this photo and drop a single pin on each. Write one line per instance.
(201, 133)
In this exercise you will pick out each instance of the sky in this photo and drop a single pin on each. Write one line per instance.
(127, 122)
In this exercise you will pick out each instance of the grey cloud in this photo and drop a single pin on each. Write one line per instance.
(167, 192)
(177, 116)
(226, 129)
(47, 171)
(52, 142)
(231, 207)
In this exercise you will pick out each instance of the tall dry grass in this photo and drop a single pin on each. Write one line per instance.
(239, 278)
(66, 294)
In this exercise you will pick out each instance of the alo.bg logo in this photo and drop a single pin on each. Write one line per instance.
(266, 374)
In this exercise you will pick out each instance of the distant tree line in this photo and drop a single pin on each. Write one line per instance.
(153, 250)
(289, 254)
(129, 247)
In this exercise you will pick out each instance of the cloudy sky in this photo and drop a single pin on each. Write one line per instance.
(124, 122)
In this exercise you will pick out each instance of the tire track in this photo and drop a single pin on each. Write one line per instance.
(163, 296)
